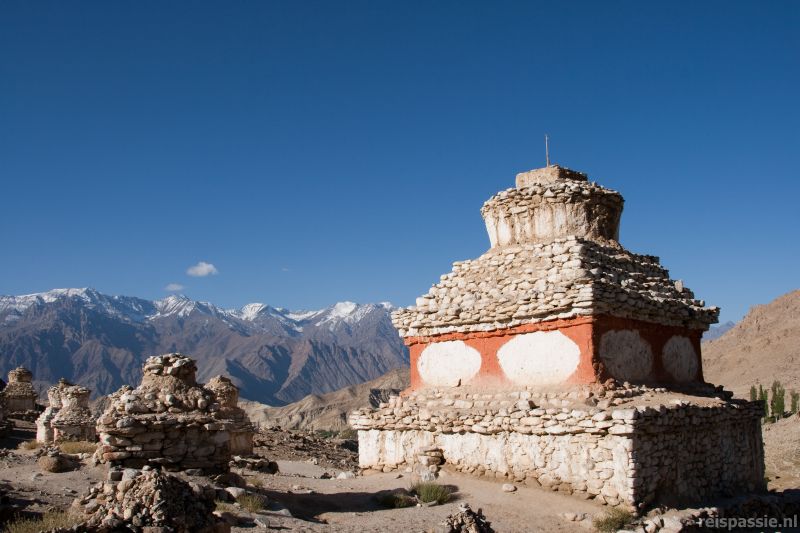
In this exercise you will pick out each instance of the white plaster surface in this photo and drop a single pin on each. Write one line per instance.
(680, 359)
(626, 355)
(539, 358)
(446, 363)
(575, 459)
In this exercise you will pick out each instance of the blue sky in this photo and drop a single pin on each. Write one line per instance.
(323, 151)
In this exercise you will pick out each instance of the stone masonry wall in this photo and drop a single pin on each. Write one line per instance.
(626, 447)
(567, 278)
(540, 212)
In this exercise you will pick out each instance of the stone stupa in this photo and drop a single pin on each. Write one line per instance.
(559, 358)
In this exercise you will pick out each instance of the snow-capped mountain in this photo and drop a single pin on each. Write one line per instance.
(275, 355)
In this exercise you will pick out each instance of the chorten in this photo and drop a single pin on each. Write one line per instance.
(556, 299)
(560, 359)
(19, 395)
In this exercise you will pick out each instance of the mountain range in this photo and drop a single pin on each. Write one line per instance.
(718, 330)
(274, 355)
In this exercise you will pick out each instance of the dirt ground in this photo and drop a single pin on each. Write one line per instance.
(782, 453)
(307, 487)
(316, 502)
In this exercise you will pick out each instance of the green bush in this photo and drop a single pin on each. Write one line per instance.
(753, 393)
(612, 520)
(795, 399)
(778, 403)
(432, 492)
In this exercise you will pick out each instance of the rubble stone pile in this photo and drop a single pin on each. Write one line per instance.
(141, 500)
(172, 421)
(51, 459)
(19, 396)
(44, 427)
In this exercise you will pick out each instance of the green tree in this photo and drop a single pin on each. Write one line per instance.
(762, 396)
(753, 393)
(795, 398)
(778, 403)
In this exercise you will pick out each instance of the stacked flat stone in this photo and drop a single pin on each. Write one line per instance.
(170, 420)
(44, 427)
(566, 278)
(19, 396)
(430, 458)
(621, 447)
(74, 421)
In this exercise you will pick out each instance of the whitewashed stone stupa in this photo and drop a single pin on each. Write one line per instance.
(556, 299)
(558, 358)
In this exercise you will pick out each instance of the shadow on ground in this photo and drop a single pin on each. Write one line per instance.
(311, 506)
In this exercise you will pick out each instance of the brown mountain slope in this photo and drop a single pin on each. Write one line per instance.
(763, 347)
(328, 411)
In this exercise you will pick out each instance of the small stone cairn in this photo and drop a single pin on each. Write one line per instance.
(467, 521)
(173, 422)
(430, 459)
(19, 396)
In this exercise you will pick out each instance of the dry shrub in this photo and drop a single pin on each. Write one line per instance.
(48, 521)
(225, 507)
(75, 447)
(612, 520)
(251, 502)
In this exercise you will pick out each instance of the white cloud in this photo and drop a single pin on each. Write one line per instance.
(285, 269)
(202, 269)
(174, 287)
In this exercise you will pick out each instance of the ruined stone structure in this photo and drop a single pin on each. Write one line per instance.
(558, 357)
(241, 429)
(172, 421)
(44, 424)
(74, 421)
(19, 396)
